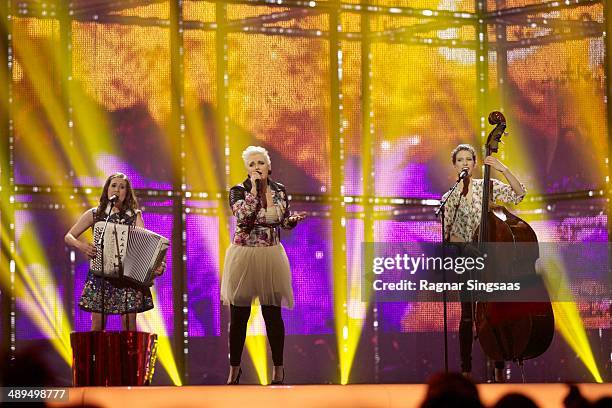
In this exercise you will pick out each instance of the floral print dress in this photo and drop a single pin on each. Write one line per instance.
(120, 296)
(461, 218)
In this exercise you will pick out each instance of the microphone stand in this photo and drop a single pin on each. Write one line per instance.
(440, 211)
(103, 280)
(101, 246)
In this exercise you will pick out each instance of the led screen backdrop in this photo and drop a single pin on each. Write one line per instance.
(93, 94)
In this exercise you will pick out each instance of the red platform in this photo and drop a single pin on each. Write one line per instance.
(96, 353)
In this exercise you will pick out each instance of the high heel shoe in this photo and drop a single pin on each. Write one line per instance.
(281, 381)
(499, 375)
(236, 380)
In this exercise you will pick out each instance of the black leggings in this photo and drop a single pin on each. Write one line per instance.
(275, 328)
(466, 336)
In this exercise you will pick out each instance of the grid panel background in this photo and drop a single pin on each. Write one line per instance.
(204, 145)
(352, 116)
(451, 5)
(203, 275)
(123, 72)
(424, 104)
(159, 9)
(310, 255)
(556, 98)
(279, 98)
(37, 149)
(411, 317)
(198, 11)
(506, 4)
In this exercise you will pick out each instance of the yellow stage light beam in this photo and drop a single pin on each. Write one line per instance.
(92, 135)
(26, 282)
(91, 130)
(43, 310)
(152, 322)
(197, 145)
(343, 324)
(29, 129)
(569, 323)
(39, 289)
(567, 316)
(33, 310)
(256, 344)
(40, 153)
(586, 102)
(44, 282)
(356, 311)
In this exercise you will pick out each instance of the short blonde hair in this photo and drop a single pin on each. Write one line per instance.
(255, 150)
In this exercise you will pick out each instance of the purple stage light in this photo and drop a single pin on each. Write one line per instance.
(310, 255)
(110, 164)
(203, 275)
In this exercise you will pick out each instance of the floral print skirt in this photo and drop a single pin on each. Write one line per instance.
(120, 296)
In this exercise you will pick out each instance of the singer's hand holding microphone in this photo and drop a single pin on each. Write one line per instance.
(256, 187)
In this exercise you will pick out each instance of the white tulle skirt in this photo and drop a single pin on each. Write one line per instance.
(254, 275)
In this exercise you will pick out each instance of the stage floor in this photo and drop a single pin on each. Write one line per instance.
(337, 396)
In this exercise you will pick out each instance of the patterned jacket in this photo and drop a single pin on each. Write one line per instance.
(462, 219)
(251, 226)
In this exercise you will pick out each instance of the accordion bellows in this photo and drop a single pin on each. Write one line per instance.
(130, 252)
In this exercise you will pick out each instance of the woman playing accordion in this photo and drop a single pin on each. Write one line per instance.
(102, 296)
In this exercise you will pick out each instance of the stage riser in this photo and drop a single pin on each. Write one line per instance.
(309, 396)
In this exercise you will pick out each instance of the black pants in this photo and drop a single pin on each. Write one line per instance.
(466, 336)
(275, 328)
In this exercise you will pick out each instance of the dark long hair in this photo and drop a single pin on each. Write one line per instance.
(130, 202)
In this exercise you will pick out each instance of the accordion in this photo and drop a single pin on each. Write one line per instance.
(130, 252)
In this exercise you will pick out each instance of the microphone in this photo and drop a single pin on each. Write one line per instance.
(464, 173)
(258, 182)
(113, 198)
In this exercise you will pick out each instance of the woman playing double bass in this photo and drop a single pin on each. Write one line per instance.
(461, 220)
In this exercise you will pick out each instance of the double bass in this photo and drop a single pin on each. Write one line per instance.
(510, 331)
